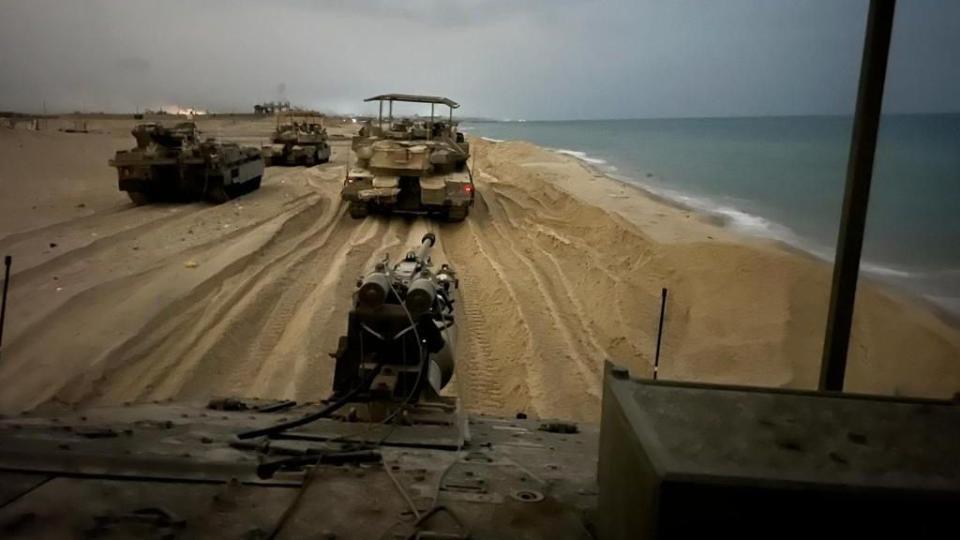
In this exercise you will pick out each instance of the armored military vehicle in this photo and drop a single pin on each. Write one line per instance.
(173, 163)
(410, 166)
(299, 141)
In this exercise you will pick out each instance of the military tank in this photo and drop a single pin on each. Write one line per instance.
(407, 166)
(173, 163)
(297, 142)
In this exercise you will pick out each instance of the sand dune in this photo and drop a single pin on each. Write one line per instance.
(560, 269)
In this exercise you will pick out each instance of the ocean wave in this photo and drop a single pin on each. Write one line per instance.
(752, 224)
(880, 270)
(732, 217)
(582, 156)
(491, 139)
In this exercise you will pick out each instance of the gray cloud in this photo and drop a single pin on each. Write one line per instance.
(526, 59)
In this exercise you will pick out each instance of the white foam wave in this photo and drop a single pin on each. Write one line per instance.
(736, 219)
(755, 225)
(491, 139)
(582, 156)
(880, 270)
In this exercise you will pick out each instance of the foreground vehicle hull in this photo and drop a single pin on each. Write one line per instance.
(188, 179)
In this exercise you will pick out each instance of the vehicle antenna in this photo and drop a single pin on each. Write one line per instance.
(7, 262)
(663, 307)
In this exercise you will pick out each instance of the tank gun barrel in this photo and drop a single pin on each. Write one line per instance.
(426, 243)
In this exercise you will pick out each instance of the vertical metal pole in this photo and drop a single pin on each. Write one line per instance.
(391, 113)
(866, 123)
(380, 117)
(430, 130)
(7, 262)
(663, 308)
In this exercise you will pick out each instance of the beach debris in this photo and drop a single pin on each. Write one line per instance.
(53, 244)
(191, 264)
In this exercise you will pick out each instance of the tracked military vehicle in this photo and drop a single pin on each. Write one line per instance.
(173, 163)
(407, 166)
(299, 141)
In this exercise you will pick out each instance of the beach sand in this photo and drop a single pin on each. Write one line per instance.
(561, 268)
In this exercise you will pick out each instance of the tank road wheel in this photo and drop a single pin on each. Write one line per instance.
(359, 210)
(139, 198)
(457, 213)
(216, 191)
(322, 160)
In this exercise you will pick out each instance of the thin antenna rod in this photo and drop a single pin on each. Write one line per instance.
(7, 262)
(866, 124)
(663, 308)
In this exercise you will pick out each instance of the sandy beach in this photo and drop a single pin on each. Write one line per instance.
(560, 267)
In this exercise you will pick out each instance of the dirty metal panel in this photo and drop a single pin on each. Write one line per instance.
(432, 183)
(511, 479)
(382, 181)
(16, 485)
(78, 508)
(387, 194)
(685, 460)
(795, 435)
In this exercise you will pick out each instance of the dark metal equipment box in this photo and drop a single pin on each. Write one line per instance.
(680, 460)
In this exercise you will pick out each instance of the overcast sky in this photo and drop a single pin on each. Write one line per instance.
(549, 59)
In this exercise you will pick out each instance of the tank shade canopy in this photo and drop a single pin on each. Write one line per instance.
(413, 98)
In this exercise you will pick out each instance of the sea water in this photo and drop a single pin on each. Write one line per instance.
(783, 177)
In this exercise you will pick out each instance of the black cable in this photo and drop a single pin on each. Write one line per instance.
(7, 262)
(326, 411)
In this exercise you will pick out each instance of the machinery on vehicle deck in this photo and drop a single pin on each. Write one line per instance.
(297, 140)
(411, 166)
(174, 164)
(400, 334)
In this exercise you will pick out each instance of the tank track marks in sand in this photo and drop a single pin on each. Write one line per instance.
(63, 276)
(484, 383)
(624, 328)
(215, 345)
(570, 390)
(130, 312)
(268, 299)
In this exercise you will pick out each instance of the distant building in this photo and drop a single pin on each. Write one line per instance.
(271, 107)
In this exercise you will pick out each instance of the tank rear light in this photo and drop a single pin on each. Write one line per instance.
(468, 188)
